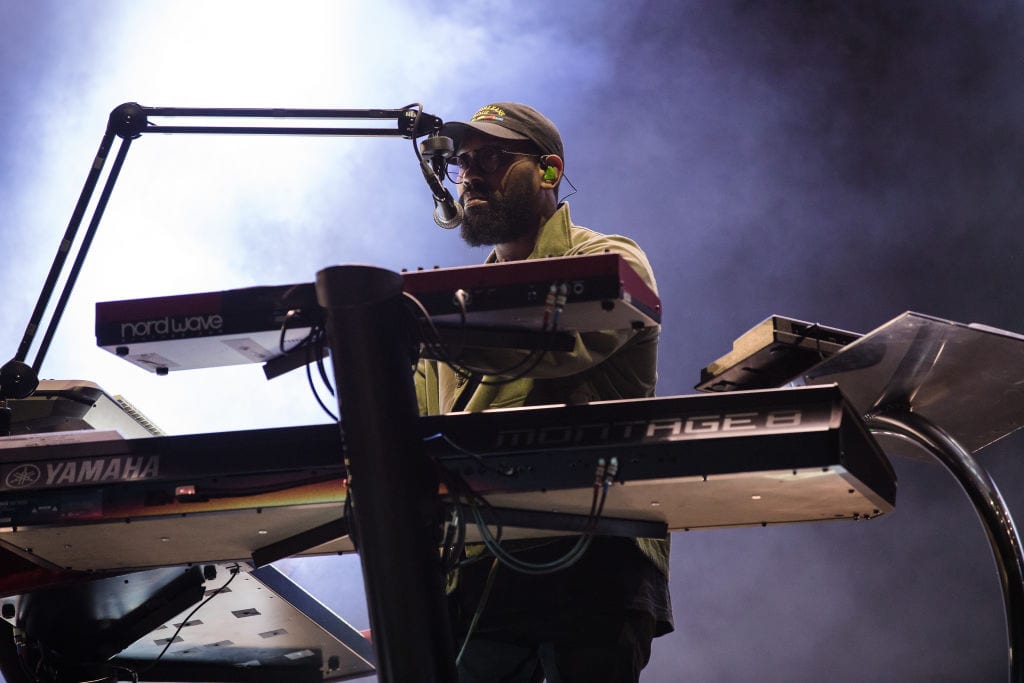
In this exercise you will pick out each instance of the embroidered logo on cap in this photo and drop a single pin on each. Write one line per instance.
(490, 112)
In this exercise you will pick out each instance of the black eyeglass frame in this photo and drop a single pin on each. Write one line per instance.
(456, 166)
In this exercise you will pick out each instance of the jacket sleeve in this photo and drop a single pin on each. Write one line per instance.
(425, 381)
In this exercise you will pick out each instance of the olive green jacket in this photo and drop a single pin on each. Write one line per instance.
(603, 366)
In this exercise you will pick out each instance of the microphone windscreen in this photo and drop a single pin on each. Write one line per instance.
(448, 223)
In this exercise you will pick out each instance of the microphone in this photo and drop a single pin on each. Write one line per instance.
(447, 212)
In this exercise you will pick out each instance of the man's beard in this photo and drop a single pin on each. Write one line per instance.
(504, 218)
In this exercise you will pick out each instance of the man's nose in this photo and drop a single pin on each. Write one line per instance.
(471, 170)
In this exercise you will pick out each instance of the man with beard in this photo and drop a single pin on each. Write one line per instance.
(593, 621)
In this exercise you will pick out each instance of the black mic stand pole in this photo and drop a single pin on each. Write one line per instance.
(17, 379)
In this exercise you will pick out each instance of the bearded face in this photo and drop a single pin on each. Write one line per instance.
(494, 216)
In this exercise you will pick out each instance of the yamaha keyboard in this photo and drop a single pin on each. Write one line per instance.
(91, 501)
(258, 324)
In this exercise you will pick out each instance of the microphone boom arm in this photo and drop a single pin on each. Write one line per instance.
(129, 121)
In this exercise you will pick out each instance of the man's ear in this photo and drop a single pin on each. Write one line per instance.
(552, 166)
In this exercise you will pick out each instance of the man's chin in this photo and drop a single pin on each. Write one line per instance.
(487, 222)
(474, 236)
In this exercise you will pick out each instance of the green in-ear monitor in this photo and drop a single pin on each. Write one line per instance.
(550, 174)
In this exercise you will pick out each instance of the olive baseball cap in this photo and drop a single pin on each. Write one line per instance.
(510, 121)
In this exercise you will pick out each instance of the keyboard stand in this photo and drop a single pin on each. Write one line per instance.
(392, 486)
(945, 387)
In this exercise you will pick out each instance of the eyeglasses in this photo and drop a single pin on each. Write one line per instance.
(486, 159)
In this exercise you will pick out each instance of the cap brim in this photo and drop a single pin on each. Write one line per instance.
(456, 130)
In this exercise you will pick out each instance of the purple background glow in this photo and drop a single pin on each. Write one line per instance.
(839, 162)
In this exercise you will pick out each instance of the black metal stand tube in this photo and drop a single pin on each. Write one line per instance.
(83, 251)
(393, 487)
(66, 243)
(988, 503)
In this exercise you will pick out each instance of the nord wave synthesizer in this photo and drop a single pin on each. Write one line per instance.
(253, 325)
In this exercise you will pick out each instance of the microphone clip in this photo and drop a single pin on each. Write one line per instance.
(434, 153)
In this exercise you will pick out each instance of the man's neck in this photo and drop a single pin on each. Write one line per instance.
(521, 248)
(516, 250)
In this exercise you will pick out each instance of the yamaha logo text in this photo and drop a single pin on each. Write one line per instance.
(91, 471)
